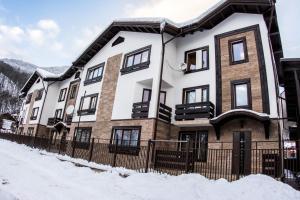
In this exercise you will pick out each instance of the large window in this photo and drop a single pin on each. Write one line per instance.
(34, 113)
(82, 136)
(197, 59)
(28, 98)
(62, 94)
(73, 91)
(30, 131)
(39, 94)
(241, 94)
(126, 139)
(136, 60)
(88, 105)
(196, 94)
(94, 74)
(238, 51)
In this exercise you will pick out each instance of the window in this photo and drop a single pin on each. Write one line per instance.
(238, 51)
(62, 94)
(241, 94)
(162, 97)
(73, 91)
(196, 94)
(39, 94)
(34, 113)
(118, 41)
(197, 59)
(77, 75)
(21, 129)
(126, 139)
(136, 60)
(28, 98)
(94, 74)
(88, 105)
(82, 137)
(58, 114)
(30, 131)
(38, 80)
(146, 95)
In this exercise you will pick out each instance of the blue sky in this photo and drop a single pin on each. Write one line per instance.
(55, 32)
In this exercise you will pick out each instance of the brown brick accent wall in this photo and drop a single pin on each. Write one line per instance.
(71, 101)
(240, 71)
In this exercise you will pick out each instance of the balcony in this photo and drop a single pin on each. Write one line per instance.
(194, 111)
(68, 119)
(86, 112)
(140, 110)
(53, 120)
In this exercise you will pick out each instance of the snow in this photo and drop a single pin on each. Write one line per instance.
(242, 110)
(19, 64)
(30, 174)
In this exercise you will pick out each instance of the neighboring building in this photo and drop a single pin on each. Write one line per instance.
(134, 87)
(7, 122)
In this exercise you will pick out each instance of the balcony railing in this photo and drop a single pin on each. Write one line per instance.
(165, 112)
(194, 111)
(53, 120)
(140, 110)
(68, 119)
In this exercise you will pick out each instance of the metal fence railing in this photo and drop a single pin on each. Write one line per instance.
(212, 160)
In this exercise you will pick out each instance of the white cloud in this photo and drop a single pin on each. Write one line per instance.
(13, 33)
(49, 26)
(176, 10)
(87, 36)
(36, 36)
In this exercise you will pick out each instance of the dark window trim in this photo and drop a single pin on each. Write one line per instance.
(230, 46)
(73, 95)
(193, 50)
(77, 75)
(194, 88)
(28, 98)
(39, 95)
(125, 150)
(96, 79)
(80, 144)
(233, 94)
(55, 114)
(88, 111)
(146, 89)
(117, 41)
(140, 66)
(165, 92)
(261, 62)
(64, 90)
(34, 117)
(30, 132)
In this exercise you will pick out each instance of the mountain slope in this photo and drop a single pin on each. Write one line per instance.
(20, 65)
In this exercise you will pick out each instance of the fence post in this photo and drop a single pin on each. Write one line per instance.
(187, 161)
(91, 150)
(115, 152)
(33, 143)
(148, 155)
(59, 148)
(49, 143)
(74, 144)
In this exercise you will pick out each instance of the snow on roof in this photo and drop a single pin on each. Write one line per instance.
(242, 110)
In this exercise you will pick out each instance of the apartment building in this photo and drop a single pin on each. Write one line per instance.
(210, 79)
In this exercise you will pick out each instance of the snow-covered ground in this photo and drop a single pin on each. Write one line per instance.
(30, 174)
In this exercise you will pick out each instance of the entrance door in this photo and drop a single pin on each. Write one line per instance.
(198, 142)
(241, 153)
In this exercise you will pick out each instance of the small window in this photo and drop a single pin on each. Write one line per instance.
(28, 98)
(77, 75)
(127, 139)
(30, 131)
(136, 60)
(238, 51)
(38, 80)
(83, 136)
(146, 95)
(62, 94)
(39, 94)
(58, 114)
(241, 94)
(119, 40)
(197, 59)
(34, 113)
(162, 97)
(73, 91)
(94, 74)
(88, 105)
(196, 94)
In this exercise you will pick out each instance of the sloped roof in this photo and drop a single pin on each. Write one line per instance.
(207, 20)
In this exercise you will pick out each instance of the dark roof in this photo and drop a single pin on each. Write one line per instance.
(209, 20)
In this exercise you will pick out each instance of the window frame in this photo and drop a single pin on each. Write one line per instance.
(184, 90)
(28, 98)
(62, 93)
(231, 52)
(89, 111)
(55, 114)
(30, 133)
(132, 150)
(205, 48)
(150, 94)
(72, 93)
(92, 70)
(139, 66)
(233, 93)
(32, 116)
(81, 144)
(39, 94)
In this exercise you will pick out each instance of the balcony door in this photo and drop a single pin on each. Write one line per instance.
(147, 96)
(196, 94)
